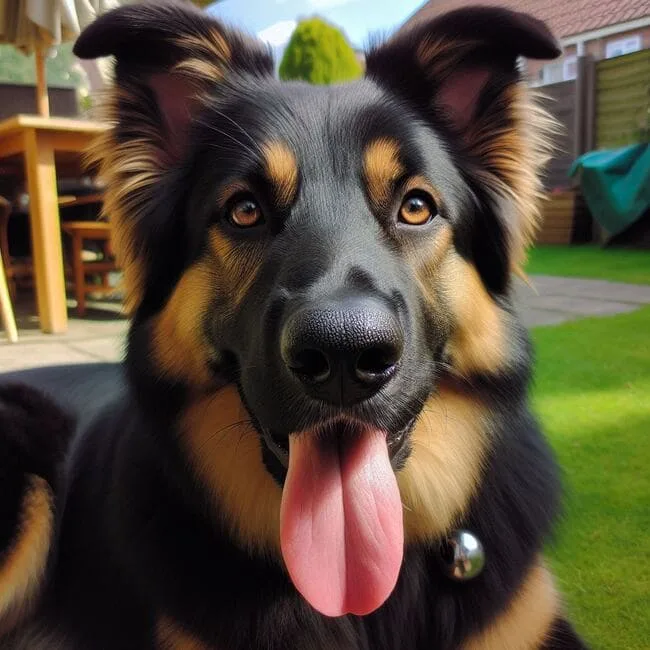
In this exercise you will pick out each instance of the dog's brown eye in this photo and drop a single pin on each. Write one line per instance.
(245, 213)
(417, 209)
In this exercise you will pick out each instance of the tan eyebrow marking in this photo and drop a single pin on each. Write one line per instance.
(381, 168)
(281, 168)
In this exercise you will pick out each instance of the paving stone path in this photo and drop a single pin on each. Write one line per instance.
(555, 300)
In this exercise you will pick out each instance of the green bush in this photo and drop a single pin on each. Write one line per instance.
(319, 53)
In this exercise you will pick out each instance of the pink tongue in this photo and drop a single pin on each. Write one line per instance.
(341, 524)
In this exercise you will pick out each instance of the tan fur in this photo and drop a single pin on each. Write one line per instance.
(179, 346)
(526, 622)
(281, 168)
(225, 450)
(517, 155)
(170, 636)
(130, 171)
(478, 341)
(23, 565)
(442, 474)
(239, 265)
(207, 57)
(381, 169)
(477, 326)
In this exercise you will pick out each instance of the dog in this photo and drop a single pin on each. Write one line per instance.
(320, 436)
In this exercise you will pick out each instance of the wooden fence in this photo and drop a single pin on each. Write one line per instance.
(622, 100)
(606, 107)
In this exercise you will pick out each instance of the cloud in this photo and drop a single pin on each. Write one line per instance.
(327, 4)
(278, 33)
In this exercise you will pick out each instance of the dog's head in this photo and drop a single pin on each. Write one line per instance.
(337, 253)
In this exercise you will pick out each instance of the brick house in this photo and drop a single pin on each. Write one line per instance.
(601, 28)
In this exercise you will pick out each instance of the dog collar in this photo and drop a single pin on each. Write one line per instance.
(462, 556)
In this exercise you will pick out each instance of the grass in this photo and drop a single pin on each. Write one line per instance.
(614, 264)
(592, 392)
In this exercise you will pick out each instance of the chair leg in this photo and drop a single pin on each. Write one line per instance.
(13, 289)
(5, 307)
(79, 275)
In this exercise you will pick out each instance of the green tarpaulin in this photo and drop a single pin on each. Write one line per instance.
(616, 185)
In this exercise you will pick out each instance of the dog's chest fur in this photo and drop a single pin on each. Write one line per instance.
(156, 572)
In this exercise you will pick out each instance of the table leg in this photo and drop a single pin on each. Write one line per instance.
(46, 233)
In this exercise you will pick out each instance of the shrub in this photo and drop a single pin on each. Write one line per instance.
(319, 53)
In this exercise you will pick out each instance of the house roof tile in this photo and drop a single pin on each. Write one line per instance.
(564, 17)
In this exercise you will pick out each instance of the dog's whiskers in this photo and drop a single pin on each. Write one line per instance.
(240, 127)
(213, 128)
(219, 434)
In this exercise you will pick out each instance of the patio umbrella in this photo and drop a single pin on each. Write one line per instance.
(37, 25)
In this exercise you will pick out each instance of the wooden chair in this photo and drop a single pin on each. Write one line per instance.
(95, 231)
(17, 271)
(6, 308)
(76, 265)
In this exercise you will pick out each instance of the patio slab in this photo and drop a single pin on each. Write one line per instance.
(600, 290)
(553, 300)
(101, 335)
(98, 337)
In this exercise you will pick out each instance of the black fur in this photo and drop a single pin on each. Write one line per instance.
(123, 549)
(139, 538)
(33, 440)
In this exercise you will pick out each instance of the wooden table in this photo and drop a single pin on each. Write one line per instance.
(41, 142)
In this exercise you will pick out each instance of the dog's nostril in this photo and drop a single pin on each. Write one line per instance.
(312, 365)
(376, 363)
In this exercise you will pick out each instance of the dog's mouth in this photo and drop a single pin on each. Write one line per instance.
(396, 442)
(341, 522)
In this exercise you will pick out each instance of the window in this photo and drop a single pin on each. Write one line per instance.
(570, 68)
(552, 73)
(558, 71)
(623, 46)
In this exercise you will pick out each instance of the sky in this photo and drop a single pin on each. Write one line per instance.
(275, 20)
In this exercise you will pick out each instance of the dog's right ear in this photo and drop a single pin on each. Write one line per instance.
(168, 57)
(169, 53)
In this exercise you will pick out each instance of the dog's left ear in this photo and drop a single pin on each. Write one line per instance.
(460, 72)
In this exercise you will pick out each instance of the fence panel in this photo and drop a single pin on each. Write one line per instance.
(622, 100)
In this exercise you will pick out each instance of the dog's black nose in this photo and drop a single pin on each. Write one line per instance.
(343, 352)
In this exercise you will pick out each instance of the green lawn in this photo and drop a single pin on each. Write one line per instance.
(592, 392)
(591, 262)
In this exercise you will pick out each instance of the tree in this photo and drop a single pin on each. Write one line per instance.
(319, 53)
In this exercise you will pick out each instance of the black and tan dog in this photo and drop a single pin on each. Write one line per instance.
(324, 377)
